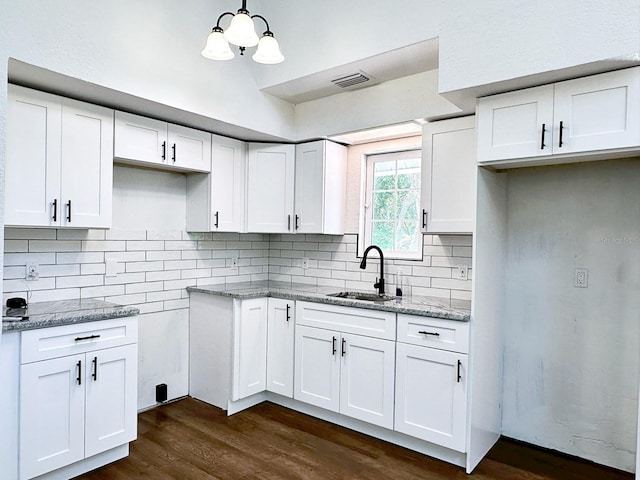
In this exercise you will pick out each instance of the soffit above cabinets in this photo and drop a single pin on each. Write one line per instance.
(400, 130)
(38, 78)
(401, 62)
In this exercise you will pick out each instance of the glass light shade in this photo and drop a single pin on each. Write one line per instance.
(242, 32)
(268, 51)
(217, 47)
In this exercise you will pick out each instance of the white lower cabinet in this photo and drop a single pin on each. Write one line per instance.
(78, 405)
(250, 348)
(344, 372)
(280, 341)
(431, 395)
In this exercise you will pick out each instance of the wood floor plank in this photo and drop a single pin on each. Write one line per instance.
(190, 440)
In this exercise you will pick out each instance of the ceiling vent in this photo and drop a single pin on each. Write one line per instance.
(351, 80)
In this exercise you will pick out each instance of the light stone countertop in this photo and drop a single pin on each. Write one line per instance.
(66, 312)
(414, 305)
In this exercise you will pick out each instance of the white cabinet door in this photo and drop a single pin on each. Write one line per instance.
(140, 139)
(270, 185)
(87, 165)
(111, 398)
(597, 112)
(52, 409)
(317, 367)
(320, 187)
(250, 347)
(367, 379)
(449, 176)
(309, 187)
(516, 124)
(280, 340)
(228, 177)
(431, 395)
(189, 148)
(32, 171)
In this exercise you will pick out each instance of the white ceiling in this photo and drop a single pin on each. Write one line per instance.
(402, 62)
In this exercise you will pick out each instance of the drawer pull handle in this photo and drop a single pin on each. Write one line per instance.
(424, 218)
(69, 211)
(79, 366)
(90, 337)
(544, 129)
(561, 129)
(288, 312)
(164, 150)
(344, 347)
(94, 375)
(459, 374)
(217, 218)
(173, 157)
(333, 344)
(55, 209)
(424, 332)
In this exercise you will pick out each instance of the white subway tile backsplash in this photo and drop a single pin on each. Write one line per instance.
(79, 281)
(16, 246)
(165, 295)
(11, 233)
(127, 299)
(144, 287)
(164, 235)
(134, 245)
(80, 234)
(155, 267)
(115, 234)
(92, 269)
(163, 255)
(131, 267)
(124, 278)
(103, 291)
(54, 245)
(157, 276)
(103, 245)
(80, 257)
(12, 259)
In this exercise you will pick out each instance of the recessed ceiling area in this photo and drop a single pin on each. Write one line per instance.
(402, 62)
(389, 132)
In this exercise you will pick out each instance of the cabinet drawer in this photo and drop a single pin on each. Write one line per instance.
(434, 332)
(361, 321)
(46, 343)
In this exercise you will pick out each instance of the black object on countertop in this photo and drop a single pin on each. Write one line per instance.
(16, 302)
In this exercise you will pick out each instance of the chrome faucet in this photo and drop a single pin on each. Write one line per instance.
(363, 264)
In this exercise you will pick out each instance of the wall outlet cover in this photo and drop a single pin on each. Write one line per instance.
(581, 277)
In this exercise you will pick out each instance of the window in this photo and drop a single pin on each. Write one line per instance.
(392, 204)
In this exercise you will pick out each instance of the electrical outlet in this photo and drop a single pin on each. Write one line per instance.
(305, 263)
(32, 271)
(581, 277)
(462, 272)
(234, 263)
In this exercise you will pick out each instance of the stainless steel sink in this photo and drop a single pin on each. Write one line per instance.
(369, 297)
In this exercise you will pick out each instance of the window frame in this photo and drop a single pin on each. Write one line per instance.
(366, 199)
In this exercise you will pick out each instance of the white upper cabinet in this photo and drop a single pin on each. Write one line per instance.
(511, 125)
(270, 183)
(581, 116)
(147, 141)
(449, 176)
(59, 162)
(320, 187)
(216, 202)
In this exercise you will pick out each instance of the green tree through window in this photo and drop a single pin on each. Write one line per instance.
(393, 203)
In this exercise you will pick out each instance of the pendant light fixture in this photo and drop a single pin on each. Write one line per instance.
(242, 33)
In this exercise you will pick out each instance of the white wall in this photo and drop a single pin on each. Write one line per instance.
(147, 49)
(571, 354)
(493, 41)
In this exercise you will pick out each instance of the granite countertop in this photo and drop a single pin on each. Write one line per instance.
(66, 312)
(415, 305)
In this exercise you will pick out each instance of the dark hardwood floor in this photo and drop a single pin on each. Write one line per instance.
(189, 439)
